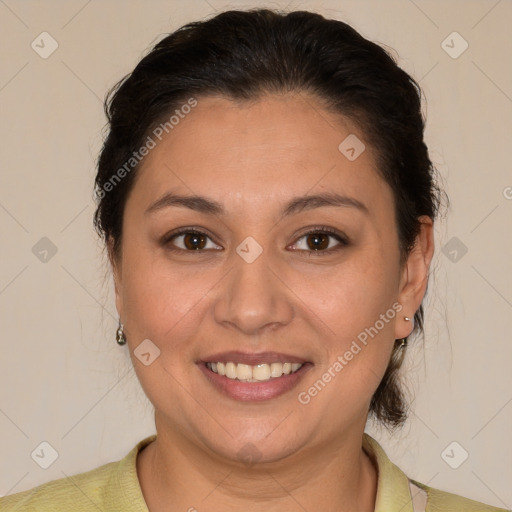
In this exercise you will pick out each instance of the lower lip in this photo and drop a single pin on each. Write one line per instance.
(255, 391)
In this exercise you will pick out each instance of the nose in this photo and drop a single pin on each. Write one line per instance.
(254, 297)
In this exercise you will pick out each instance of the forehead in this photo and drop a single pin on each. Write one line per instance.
(271, 148)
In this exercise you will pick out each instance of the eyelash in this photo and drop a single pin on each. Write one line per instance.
(323, 230)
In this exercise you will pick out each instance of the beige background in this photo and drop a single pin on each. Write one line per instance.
(63, 378)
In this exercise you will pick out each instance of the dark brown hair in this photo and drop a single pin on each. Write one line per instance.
(243, 55)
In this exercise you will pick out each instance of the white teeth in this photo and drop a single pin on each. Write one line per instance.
(244, 372)
(261, 372)
(276, 369)
(231, 370)
(253, 373)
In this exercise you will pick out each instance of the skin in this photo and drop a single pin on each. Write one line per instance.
(252, 158)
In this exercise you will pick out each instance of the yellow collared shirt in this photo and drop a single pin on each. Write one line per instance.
(114, 487)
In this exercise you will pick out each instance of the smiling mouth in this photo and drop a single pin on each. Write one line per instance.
(253, 373)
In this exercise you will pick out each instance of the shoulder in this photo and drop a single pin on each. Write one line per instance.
(113, 487)
(442, 501)
(396, 491)
(77, 492)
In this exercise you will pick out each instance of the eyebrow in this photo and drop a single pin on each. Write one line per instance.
(295, 205)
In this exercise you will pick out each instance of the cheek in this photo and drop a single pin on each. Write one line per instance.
(162, 301)
(357, 310)
(164, 304)
(351, 296)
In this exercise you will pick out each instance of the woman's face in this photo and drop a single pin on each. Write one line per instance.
(253, 288)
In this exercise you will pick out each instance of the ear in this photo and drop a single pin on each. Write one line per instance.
(115, 263)
(414, 276)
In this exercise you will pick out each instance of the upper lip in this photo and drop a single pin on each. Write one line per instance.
(251, 358)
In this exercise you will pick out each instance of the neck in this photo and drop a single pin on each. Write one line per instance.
(177, 474)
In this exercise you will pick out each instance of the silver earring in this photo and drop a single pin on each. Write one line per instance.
(120, 337)
(407, 319)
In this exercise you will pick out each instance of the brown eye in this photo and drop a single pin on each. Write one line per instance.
(317, 241)
(189, 240)
(194, 241)
(321, 241)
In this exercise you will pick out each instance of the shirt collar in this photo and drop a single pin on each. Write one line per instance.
(393, 491)
(123, 492)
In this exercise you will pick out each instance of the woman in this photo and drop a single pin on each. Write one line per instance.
(267, 202)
